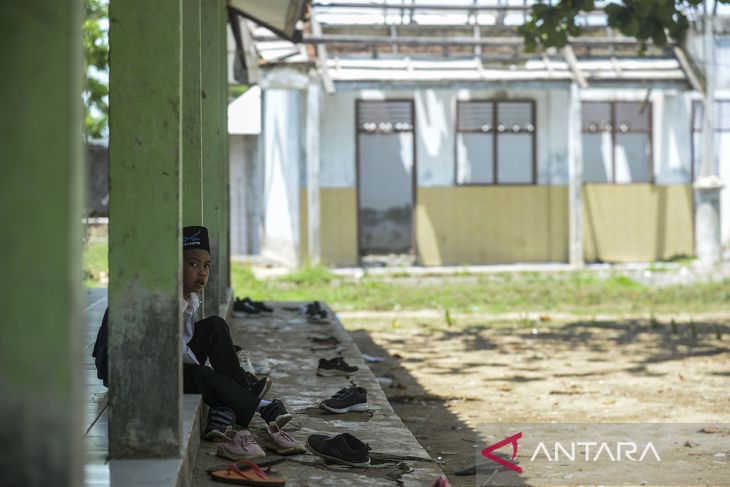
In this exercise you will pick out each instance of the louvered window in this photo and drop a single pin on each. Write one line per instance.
(617, 138)
(495, 142)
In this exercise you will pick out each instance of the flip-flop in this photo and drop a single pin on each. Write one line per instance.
(254, 475)
(264, 462)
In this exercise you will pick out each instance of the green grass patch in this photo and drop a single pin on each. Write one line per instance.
(96, 263)
(581, 293)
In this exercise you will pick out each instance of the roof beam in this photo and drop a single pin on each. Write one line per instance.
(454, 41)
(572, 61)
(695, 79)
(421, 6)
(322, 65)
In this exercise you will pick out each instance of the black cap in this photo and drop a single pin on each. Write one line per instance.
(195, 238)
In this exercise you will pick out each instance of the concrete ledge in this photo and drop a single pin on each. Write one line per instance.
(293, 347)
(169, 472)
(98, 470)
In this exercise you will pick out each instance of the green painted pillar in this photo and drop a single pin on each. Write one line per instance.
(214, 191)
(145, 287)
(226, 164)
(192, 200)
(41, 206)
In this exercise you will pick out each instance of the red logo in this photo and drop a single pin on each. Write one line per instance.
(487, 452)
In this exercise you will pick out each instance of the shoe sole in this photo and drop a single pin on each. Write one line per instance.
(335, 459)
(282, 420)
(334, 373)
(355, 408)
(236, 458)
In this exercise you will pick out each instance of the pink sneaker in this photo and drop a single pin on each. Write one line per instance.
(282, 442)
(239, 445)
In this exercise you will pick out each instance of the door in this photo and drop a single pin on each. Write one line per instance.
(386, 177)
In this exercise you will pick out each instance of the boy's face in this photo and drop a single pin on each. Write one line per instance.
(196, 266)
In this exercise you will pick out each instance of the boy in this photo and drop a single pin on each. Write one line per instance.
(225, 384)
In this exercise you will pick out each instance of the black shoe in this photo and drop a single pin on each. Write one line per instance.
(344, 449)
(245, 305)
(315, 313)
(260, 387)
(275, 413)
(335, 366)
(345, 400)
(251, 307)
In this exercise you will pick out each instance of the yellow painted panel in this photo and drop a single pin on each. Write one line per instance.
(637, 222)
(492, 224)
(337, 226)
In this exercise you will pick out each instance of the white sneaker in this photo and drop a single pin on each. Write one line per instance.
(244, 358)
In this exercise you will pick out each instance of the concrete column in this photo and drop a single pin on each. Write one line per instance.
(214, 190)
(708, 185)
(312, 128)
(192, 201)
(145, 287)
(41, 201)
(575, 179)
(225, 261)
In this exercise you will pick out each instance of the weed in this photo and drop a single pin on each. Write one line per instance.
(447, 318)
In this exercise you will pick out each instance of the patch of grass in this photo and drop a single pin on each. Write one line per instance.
(580, 293)
(96, 263)
(310, 276)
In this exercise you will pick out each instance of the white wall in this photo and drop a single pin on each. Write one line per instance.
(245, 192)
(281, 160)
(435, 132)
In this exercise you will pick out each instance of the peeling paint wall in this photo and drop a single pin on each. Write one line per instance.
(282, 137)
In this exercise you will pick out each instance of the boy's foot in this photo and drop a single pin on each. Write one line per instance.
(282, 442)
(334, 367)
(219, 419)
(239, 445)
(244, 360)
(260, 387)
(345, 400)
(275, 413)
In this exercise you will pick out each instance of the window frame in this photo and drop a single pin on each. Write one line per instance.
(495, 138)
(649, 131)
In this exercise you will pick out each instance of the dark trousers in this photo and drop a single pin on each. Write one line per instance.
(226, 383)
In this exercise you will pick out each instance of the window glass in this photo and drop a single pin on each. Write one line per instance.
(514, 156)
(632, 158)
(474, 158)
(632, 116)
(597, 158)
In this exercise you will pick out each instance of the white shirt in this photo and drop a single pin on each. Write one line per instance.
(189, 307)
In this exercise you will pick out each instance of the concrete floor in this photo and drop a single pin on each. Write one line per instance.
(293, 348)
(98, 470)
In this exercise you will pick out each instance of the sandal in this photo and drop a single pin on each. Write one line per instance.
(253, 475)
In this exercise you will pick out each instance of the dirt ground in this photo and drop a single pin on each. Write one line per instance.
(446, 381)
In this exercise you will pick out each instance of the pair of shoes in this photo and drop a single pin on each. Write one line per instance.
(219, 419)
(275, 413)
(247, 306)
(260, 387)
(246, 473)
(345, 400)
(239, 445)
(334, 367)
(344, 449)
(253, 363)
(283, 443)
(316, 313)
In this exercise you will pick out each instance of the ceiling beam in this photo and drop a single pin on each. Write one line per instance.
(572, 61)
(421, 6)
